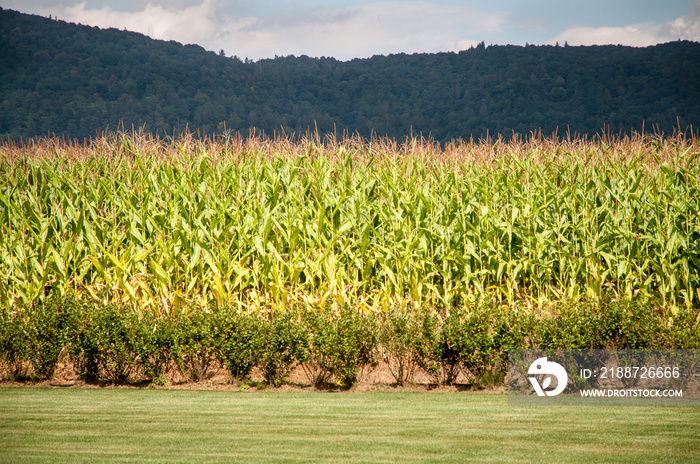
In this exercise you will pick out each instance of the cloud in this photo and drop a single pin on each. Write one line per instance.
(344, 33)
(192, 24)
(379, 28)
(686, 27)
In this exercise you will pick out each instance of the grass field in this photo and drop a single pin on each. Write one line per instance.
(129, 425)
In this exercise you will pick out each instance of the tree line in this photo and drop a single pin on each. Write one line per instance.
(75, 81)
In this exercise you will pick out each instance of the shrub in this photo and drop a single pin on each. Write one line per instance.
(104, 343)
(607, 324)
(470, 341)
(241, 340)
(399, 332)
(433, 355)
(85, 345)
(48, 328)
(153, 344)
(641, 326)
(14, 343)
(314, 322)
(115, 343)
(574, 327)
(283, 342)
(684, 330)
(196, 344)
(343, 344)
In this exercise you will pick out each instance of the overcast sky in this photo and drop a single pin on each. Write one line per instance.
(362, 28)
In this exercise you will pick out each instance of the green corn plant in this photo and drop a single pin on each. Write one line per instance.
(266, 224)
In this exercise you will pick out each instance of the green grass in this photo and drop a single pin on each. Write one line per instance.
(125, 425)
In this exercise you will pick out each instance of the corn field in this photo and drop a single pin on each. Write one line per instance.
(266, 224)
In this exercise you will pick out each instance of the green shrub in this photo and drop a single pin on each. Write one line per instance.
(605, 324)
(433, 355)
(399, 332)
(197, 344)
(513, 330)
(471, 342)
(49, 327)
(283, 341)
(610, 323)
(314, 322)
(118, 333)
(641, 326)
(153, 344)
(574, 327)
(342, 344)
(241, 340)
(104, 343)
(14, 343)
(85, 346)
(684, 330)
(115, 343)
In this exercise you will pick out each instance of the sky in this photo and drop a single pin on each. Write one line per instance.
(363, 28)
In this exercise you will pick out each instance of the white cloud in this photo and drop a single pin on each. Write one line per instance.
(379, 28)
(686, 27)
(193, 24)
(360, 31)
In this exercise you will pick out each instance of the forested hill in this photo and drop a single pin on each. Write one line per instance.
(72, 80)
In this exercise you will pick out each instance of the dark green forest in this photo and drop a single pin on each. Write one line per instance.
(76, 81)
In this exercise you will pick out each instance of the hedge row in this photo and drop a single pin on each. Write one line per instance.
(118, 345)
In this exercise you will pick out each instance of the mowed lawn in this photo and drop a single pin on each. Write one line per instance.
(129, 425)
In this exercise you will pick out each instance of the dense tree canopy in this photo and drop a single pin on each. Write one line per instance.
(72, 80)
